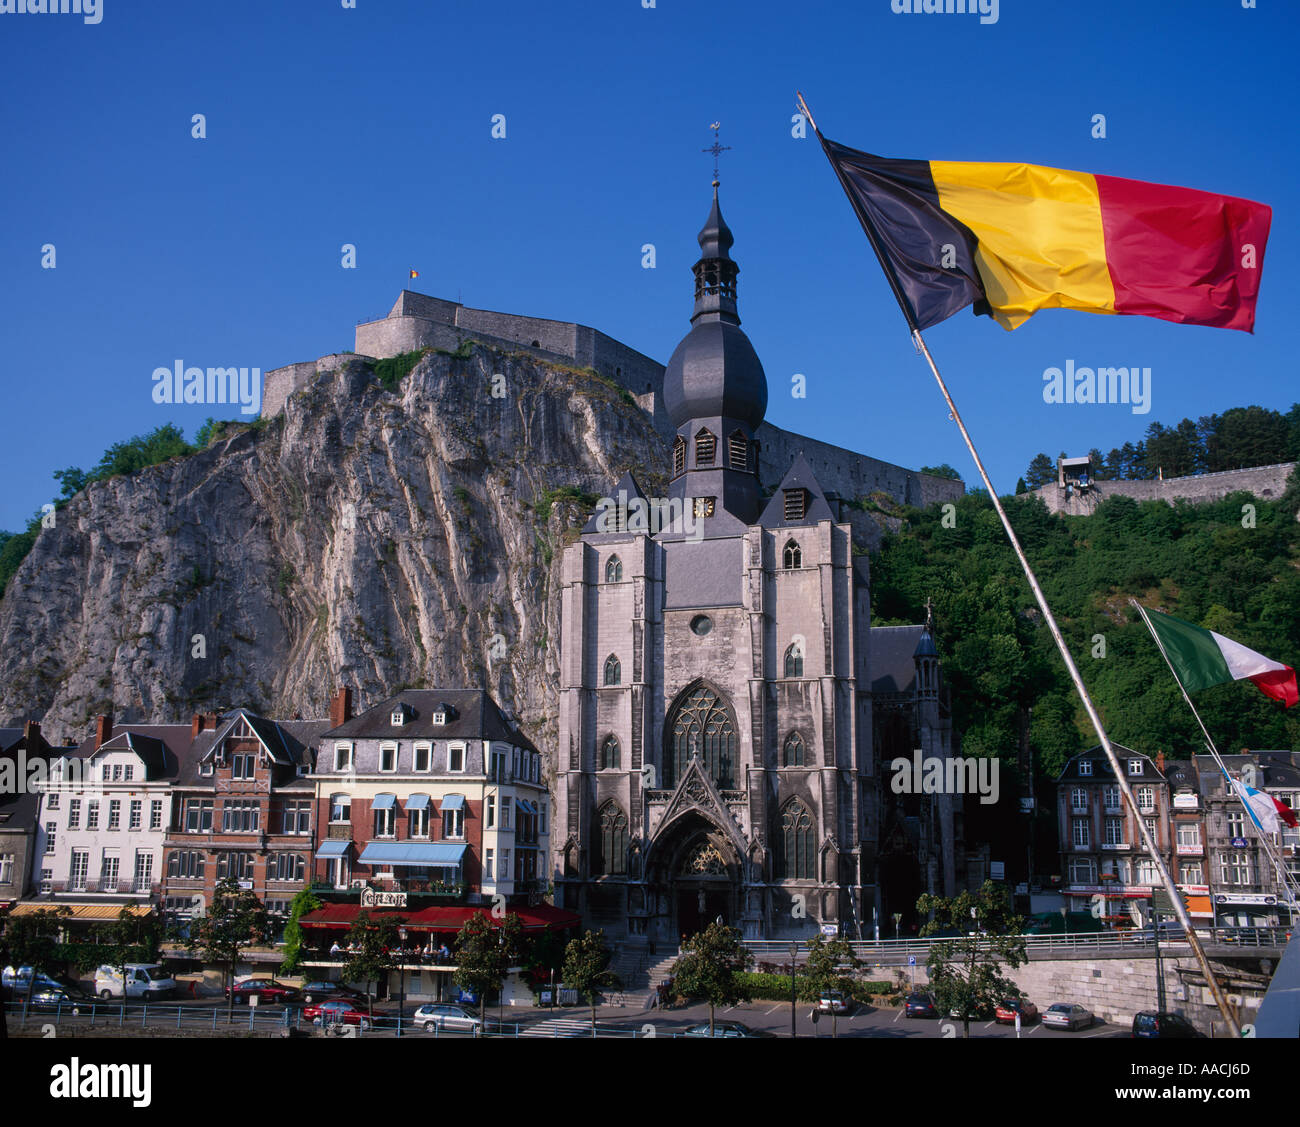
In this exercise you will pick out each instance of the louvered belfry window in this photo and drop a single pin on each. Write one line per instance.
(679, 456)
(738, 451)
(705, 448)
(796, 503)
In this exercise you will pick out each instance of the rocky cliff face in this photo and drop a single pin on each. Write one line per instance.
(376, 538)
(368, 537)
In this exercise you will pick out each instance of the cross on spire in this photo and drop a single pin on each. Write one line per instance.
(716, 149)
(929, 614)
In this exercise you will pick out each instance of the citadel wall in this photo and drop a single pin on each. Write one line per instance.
(1265, 482)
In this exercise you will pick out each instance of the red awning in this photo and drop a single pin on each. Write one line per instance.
(450, 917)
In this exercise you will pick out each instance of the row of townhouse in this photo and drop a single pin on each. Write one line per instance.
(1214, 852)
(432, 795)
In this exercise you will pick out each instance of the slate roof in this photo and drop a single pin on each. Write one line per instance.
(798, 476)
(892, 668)
(475, 716)
(163, 748)
(627, 484)
(1101, 768)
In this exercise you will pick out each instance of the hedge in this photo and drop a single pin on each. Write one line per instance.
(776, 987)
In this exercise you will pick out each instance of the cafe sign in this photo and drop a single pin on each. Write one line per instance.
(370, 898)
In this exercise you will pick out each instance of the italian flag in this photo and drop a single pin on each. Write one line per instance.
(1203, 658)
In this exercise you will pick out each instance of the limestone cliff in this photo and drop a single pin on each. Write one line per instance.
(379, 538)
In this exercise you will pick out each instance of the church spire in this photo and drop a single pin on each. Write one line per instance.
(715, 272)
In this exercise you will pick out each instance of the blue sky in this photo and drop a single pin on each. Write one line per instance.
(372, 126)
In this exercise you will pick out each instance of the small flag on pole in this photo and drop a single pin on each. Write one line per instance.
(415, 273)
(1265, 810)
(1202, 658)
(1012, 239)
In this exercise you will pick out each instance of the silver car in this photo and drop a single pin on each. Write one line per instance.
(447, 1015)
(1067, 1015)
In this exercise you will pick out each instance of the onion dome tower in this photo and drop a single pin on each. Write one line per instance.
(715, 393)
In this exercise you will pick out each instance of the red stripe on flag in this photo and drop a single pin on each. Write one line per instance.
(1177, 253)
(1280, 684)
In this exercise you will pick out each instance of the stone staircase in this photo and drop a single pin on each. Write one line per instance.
(640, 972)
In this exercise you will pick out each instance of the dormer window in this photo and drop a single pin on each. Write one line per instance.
(706, 448)
(1085, 766)
(1135, 766)
(398, 717)
(440, 715)
(796, 503)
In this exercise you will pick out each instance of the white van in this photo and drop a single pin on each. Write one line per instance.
(143, 980)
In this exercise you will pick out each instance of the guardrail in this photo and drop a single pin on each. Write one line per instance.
(890, 950)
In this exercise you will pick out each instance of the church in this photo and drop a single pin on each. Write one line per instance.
(727, 713)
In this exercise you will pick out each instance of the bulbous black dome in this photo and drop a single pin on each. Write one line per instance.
(715, 371)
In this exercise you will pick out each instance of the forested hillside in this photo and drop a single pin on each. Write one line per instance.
(1211, 564)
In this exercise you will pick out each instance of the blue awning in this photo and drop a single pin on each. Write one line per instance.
(453, 802)
(418, 802)
(333, 848)
(383, 802)
(412, 853)
(526, 807)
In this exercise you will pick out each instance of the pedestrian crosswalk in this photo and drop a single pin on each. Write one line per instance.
(558, 1027)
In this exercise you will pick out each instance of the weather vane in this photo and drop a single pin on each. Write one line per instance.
(715, 149)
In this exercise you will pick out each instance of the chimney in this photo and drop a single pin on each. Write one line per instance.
(341, 707)
(31, 732)
(1160, 762)
(103, 728)
(196, 725)
(210, 720)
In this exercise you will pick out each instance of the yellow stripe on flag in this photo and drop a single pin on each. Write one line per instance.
(1041, 244)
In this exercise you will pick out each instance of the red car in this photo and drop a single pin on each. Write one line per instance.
(264, 989)
(1008, 1008)
(325, 1013)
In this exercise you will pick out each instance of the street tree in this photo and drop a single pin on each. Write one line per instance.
(586, 968)
(306, 901)
(485, 954)
(966, 972)
(236, 921)
(371, 943)
(709, 965)
(830, 965)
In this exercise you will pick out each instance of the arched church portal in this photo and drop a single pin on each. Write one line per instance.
(694, 872)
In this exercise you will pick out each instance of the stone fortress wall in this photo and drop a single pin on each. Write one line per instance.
(1265, 482)
(420, 321)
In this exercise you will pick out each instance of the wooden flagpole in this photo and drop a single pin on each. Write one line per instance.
(918, 340)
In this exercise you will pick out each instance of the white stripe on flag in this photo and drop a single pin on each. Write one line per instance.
(1241, 661)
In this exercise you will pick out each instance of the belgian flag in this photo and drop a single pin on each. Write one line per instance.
(1011, 239)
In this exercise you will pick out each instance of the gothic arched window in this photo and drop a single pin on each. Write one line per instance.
(679, 456)
(706, 447)
(797, 860)
(702, 726)
(613, 671)
(794, 660)
(793, 555)
(792, 751)
(614, 570)
(610, 858)
(609, 754)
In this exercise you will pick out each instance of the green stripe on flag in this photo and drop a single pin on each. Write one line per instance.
(1192, 652)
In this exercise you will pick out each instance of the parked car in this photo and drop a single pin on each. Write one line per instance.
(56, 996)
(920, 1004)
(337, 1010)
(264, 989)
(1068, 1015)
(832, 1002)
(17, 980)
(725, 1029)
(1151, 1023)
(143, 980)
(447, 1015)
(1007, 1009)
(321, 991)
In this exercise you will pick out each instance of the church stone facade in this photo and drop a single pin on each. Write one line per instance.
(721, 753)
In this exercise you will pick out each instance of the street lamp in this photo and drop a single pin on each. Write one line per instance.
(401, 974)
(794, 953)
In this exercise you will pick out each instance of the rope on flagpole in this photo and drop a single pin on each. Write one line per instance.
(1279, 869)
(918, 340)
